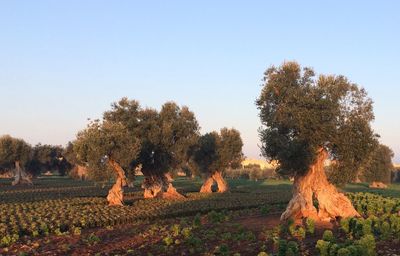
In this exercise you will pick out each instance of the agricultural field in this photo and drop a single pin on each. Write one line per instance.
(60, 216)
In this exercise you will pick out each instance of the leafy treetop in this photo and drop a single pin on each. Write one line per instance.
(165, 136)
(379, 166)
(302, 114)
(216, 152)
(105, 140)
(13, 150)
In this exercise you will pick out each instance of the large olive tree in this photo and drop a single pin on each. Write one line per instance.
(15, 153)
(106, 145)
(307, 120)
(165, 138)
(216, 152)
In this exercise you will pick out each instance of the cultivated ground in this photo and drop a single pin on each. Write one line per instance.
(59, 216)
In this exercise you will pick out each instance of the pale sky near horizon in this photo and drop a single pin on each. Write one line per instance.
(62, 62)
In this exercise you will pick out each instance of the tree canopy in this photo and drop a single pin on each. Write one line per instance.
(165, 136)
(102, 141)
(216, 152)
(13, 150)
(48, 158)
(154, 141)
(379, 166)
(301, 114)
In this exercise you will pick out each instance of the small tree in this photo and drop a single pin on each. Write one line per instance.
(305, 121)
(107, 142)
(15, 153)
(215, 153)
(379, 166)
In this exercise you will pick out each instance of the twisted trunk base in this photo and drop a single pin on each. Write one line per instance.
(160, 187)
(206, 187)
(209, 181)
(221, 183)
(20, 176)
(314, 185)
(116, 193)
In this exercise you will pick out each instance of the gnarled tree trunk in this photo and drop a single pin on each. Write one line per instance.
(222, 184)
(207, 184)
(315, 185)
(209, 181)
(160, 187)
(116, 193)
(20, 176)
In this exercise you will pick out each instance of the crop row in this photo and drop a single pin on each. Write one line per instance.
(59, 216)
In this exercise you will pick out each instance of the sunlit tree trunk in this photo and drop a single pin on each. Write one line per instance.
(160, 187)
(315, 185)
(209, 181)
(20, 176)
(207, 185)
(222, 184)
(116, 193)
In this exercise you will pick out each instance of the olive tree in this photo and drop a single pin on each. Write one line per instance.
(169, 135)
(48, 158)
(77, 168)
(15, 153)
(216, 152)
(165, 139)
(107, 142)
(379, 166)
(307, 120)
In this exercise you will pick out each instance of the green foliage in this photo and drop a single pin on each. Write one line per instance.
(378, 165)
(265, 209)
(323, 247)
(333, 249)
(293, 247)
(13, 150)
(367, 245)
(197, 220)
(168, 240)
(165, 136)
(343, 252)
(223, 249)
(310, 225)
(186, 232)
(328, 236)
(282, 247)
(92, 239)
(101, 140)
(216, 217)
(385, 230)
(298, 232)
(301, 114)
(175, 230)
(9, 239)
(218, 151)
(48, 158)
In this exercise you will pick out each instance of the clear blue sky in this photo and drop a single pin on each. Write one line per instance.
(64, 61)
